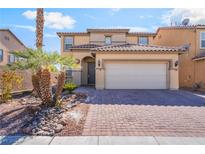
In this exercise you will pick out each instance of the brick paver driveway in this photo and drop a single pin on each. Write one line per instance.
(144, 112)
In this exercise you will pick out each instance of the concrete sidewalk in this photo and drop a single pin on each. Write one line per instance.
(100, 140)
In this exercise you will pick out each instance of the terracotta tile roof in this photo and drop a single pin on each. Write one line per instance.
(142, 33)
(108, 30)
(199, 57)
(71, 33)
(139, 48)
(85, 46)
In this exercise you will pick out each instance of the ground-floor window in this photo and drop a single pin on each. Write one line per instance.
(69, 75)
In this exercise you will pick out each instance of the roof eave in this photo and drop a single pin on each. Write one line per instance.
(199, 58)
(80, 48)
(71, 34)
(138, 51)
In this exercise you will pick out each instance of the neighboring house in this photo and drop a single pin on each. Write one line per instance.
(8, 43)
(119, 59)
(192, 63)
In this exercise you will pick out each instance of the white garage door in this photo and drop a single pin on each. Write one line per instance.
(135, 75)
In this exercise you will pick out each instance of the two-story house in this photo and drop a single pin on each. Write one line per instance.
(192, 63)
(120, 59)
(8, 43)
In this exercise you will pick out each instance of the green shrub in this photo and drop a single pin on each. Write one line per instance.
(70, 87)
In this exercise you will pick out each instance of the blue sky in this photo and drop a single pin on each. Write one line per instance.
(22, 21)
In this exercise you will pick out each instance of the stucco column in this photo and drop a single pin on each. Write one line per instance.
(100, 74)
(100, 78)
(174, 79)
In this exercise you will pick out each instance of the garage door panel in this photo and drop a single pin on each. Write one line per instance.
(120, 75)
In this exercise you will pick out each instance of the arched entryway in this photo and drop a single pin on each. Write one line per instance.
(88, 71)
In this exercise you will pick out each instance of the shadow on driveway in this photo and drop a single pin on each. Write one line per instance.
(143, 97)
(11, 139)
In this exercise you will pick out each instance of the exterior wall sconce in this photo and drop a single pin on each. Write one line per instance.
(77, 61)
(98, 63)
(176, 64)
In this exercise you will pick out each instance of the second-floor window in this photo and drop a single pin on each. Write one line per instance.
(143, 41)
(108, 40)
(202, 40)
(1, 55)
(68, 43)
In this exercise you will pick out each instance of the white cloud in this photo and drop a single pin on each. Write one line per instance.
(54, 20)
(50, 35)
(196, 16)
(30, 14)
(30, 28)
(143, 16)
(90, 16)
(113, 11)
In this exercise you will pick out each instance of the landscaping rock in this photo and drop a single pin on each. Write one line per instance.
(58, 128)
(49, 121)
(27, 130)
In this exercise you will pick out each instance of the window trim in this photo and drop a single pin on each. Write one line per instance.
(201, 39)
(9, 58)
(143, 37)
(110, 39)
(1, 60)
(68, 76)
(64, 45)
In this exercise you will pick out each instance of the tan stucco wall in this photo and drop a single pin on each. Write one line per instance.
(134, 39)
(178, 37)
(78, 40)
(171, 58)
(8, 45)
(99, 38)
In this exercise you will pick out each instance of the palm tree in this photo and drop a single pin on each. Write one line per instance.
(39, 27)
(41, 64)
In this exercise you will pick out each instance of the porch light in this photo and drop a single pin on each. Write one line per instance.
(176, 63)
(98, 63)
(77, 61)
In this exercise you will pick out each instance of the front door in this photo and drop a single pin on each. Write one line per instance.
(91, 73)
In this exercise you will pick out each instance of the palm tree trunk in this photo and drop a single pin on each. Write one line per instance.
(39, 27)
(36, 87)
(60, 84)
(45, 86)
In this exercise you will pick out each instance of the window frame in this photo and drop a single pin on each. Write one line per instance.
(202, 32)
(69, 74)
(143, 37)
(64, 43)
(108, 36)
(2, 59)
(9, 57)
